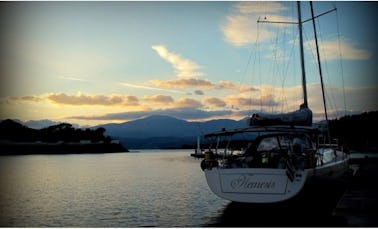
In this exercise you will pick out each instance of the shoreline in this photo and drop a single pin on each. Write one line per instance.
(30, 148)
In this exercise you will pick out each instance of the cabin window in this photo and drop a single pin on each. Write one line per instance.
(285, 141)
(268, 144)
(303, 141)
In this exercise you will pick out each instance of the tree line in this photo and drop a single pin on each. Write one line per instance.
(357, 132)
(16, 132)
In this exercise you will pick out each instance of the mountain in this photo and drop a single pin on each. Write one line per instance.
(39, 124)
(153, 126)
(159, 131)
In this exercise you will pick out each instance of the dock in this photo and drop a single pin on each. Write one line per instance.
(359, 203)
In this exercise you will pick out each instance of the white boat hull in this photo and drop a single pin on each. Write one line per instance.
(266, 185)
(254, 185)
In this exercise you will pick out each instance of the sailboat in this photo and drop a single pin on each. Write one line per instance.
(273, 158)
(198, 152)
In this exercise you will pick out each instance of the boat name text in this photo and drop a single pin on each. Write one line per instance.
(245, 182)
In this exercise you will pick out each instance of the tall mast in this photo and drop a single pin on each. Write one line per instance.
(305, 105)
(300, 23)
(320, 68)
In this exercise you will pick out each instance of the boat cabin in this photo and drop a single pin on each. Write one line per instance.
(273, 149)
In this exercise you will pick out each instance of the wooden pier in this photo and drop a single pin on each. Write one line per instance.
(359, 204)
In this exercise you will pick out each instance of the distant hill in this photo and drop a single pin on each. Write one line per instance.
(160, 131)
(358, 132)
(16, 138)
(39, 124)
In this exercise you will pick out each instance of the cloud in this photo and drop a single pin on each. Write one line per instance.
(258, 7)
(331, 50)
(159, 99)
(149, 88)
(241, 27)
(199, 92)
(187, 103)
(187, 74)
(184, 68)
(71, 78)
(104, 100)
(358, 99)
(241, 30)
(111, 107)
(184, 83)
(214, 102)
(245, 103)
(28, 98)
(202, 83)
(223, 84)
(180, 113)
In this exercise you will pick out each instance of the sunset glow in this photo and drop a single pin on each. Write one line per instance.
(108, 62)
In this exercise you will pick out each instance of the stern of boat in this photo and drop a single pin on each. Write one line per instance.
(255, 185)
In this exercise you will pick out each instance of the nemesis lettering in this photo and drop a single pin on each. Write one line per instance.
(246, 182)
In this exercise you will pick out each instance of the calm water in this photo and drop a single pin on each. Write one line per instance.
(148, 188)
(144, 189)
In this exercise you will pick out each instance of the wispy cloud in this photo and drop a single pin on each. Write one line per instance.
(28, 98)
(202, 83)
(181, 113)
(241, 27)
(103, 100)
(249, 103)
(258, 7)
(184, 83)
(72, 78)
(184, 68)
(150, 88)
(241, 30)
(335, 49)
(224, 84)
(187, 76)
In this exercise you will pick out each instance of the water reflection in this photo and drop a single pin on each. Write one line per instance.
(157, 188)
(151, 188)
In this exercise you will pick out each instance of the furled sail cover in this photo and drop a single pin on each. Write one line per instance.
(301, 117)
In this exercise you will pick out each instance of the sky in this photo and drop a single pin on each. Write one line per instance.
(91, 63)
